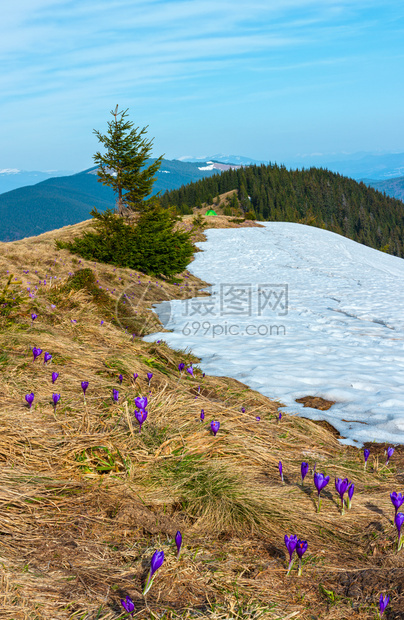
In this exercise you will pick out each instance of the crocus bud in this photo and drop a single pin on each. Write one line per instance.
(149, 376)
(320, 481)
(351, 490)
(120, 378)
(290, 542)
(366, 453)
(202, 415)
(399, 520)
(178, 542)
(30, 399)
(115, 396)
(281, 471)
(135, 376)
(156, 561)
(56, 399)
(390, 452)
(54, 376)
(396, 499)
(304, 469)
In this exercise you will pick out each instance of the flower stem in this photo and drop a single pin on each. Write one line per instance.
(291, 562)
(148, 585)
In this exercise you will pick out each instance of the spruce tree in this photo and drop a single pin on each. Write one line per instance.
(122, 167)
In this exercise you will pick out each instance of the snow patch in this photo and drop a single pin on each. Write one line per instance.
(340, 305)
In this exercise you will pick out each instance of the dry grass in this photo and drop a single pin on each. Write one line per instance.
(85, 499)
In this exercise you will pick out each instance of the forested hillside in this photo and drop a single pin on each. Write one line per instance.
(314, 196)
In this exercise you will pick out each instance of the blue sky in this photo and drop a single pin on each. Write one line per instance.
(268, 79)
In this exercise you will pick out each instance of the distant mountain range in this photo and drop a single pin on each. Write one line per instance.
(370, 166)
(393, 187)
(60, 201)
(12, 178)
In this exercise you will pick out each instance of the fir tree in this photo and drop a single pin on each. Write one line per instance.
(122, 167)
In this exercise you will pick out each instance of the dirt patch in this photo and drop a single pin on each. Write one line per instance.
(316, 402)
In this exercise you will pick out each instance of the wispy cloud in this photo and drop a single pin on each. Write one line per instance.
(70, 55)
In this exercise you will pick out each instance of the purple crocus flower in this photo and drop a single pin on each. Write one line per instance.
(399, 520)
(366, 453)
(56, 399)
(178, 542)
(304, 470)
(190, 371)
(242, 409)
(341, 486)
(120, 378)
(140, 416)
(384, 601)
(156, 561)
(301, 548)
(84, 386)
(135, 376)
(390, 452)
(115, 396)
(181, 367)
(36, 352)
(290, 542)
(320, 481)
(214, 427)
(47, 357)
(202, 416)
(397, 499)
(54, 376)
(351, 490)
(281, 471)
(149, 376)
(30, 399)
(279, 417)
(34, 316)
(257, 417)
(128, 605)
(141, 402)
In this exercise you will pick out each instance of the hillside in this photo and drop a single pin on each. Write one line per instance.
(86, 499)
(61, 201)
(317, 197)
(392, 187)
